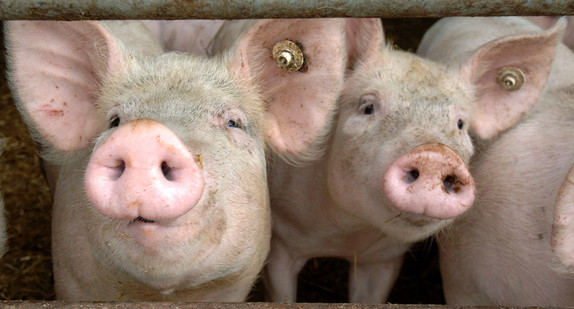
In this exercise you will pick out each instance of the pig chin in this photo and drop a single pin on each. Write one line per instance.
(424, 224)
(156, 239)
(153, 237)
(162, 256)
(414, 227)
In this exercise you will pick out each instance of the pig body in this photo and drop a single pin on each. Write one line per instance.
(562, 225)
(402, 131)
(500, 252)
(157, 161)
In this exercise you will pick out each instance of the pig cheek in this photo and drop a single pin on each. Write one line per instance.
(355, 182)
(342, 178)
(238, 202)
(242, 232)
(342, 172)
(243, 141)
(350, 154)
(352, 178)
(462, 144)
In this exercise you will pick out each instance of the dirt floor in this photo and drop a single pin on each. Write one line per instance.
(25, 271)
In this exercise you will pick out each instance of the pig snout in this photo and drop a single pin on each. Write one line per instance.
(432, 180)
(143, 172)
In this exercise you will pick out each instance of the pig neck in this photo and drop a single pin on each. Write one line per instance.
(306, 216)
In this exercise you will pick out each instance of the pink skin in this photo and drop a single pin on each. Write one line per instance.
(546, 22)
(156, 161)
(394, 113)
(191, 35)
(432, 180)
(503, 251)
(563, 225)
(143, 149)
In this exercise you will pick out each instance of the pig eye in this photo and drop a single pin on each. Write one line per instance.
(367, 104)
(234, 123)
(460, 124)
(368, 109)
(115, 121)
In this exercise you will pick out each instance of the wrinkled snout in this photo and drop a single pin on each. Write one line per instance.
(431, 180)
(143, 172)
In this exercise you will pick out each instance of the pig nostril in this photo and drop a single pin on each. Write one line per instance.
(411, 176)
(121, 166)
(167, 171)
(451, 184)
(118, 170)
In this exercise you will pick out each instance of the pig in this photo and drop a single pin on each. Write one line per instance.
(393, 169)
(562, 244)
(501, 251)
(546, 22)
(156, 160)
(190, 35)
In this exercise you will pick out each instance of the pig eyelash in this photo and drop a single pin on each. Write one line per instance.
(115, 121)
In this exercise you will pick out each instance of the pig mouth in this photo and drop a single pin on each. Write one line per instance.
(142, 219)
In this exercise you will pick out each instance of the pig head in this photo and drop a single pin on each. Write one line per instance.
(399, 106)
(395, 165)
(546, 22)
(157, 160)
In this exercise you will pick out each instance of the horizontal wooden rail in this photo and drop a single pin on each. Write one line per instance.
(160, 305)
(238, 9)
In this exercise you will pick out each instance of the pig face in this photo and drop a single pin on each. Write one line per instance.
(384, 116)
(157, 161)
(207, 126)
(394, 103)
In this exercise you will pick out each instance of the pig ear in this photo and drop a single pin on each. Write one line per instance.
(192, 36)
(563, 226)
(546, 22)
(497, 65)
(54, 71)
(299, 103)
(365, 40)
